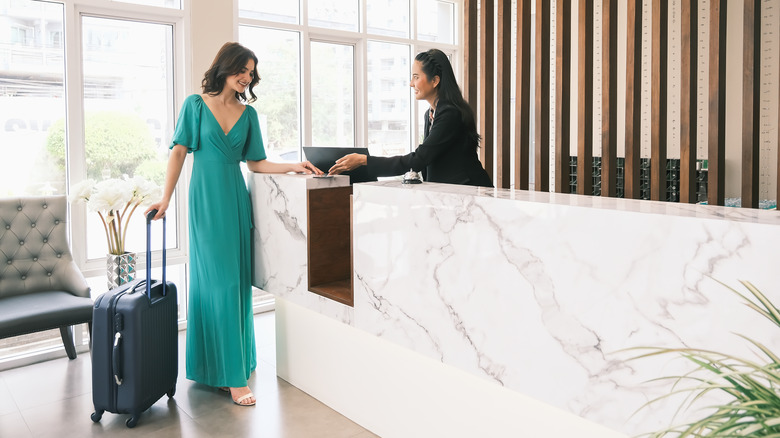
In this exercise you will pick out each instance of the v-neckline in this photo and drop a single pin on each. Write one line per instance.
(220, 125)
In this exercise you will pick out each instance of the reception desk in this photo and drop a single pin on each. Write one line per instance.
(490, 312)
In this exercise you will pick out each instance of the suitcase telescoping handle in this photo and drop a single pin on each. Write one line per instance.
(149, 218)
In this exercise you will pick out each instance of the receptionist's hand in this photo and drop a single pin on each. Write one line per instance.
(347, 163)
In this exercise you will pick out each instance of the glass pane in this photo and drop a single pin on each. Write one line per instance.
(334, 14)
(32, 104)
(389, 99)
(176, 4)
(278, 93)
(333, 94)
(388, 17)
(440, 27)
(279, 11)
(128, 101)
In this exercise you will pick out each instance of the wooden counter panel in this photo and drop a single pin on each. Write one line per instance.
(330, 243)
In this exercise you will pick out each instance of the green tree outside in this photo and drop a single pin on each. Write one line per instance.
(116, 144)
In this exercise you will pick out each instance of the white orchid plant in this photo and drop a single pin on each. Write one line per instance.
(115, 200)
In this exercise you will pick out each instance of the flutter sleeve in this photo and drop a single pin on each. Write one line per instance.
(187, 131)
(254, 149)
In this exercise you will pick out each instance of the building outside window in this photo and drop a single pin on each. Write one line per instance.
(109, 116)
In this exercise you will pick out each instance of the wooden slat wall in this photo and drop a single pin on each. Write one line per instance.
(495, 60)
(487, 101)
(716, 134)
(504, 91)
(688, 102)
(585, 99)
(633, 98)
(562, 94)
(751, 69)
(609, 97)
(470, 58)
(542, 96)
(659, 100)
(523, 99)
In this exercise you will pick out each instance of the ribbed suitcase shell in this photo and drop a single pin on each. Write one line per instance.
(130, 374)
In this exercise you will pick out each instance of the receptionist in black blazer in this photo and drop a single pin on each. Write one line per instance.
(448, 153)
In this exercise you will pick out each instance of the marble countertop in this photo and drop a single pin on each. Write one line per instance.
(771, 217)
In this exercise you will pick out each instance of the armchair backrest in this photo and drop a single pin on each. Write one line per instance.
(34, 251)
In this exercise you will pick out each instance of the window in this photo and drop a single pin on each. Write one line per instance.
(333, 94)
(279, 90)
(128, 103)
(32, 74)
(334, 14)
(113, 118)
(388, 17)
(439, 25)
(353, 69)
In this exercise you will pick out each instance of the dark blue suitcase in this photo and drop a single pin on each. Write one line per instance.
(134, 343)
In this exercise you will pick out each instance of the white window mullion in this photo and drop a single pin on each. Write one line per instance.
(74, 125)
(306, 122)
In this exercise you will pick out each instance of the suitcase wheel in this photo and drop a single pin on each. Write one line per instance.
(171, 392)
(132, 421)
(96, 416)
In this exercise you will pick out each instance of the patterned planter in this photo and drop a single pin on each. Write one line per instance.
(120, 269)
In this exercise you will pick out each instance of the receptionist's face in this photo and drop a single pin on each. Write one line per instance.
(424, 88)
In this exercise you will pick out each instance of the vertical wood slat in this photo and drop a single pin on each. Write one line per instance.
(688, 101)
(716, 138)
(633, 99)
(751, 70)
(585, 99)
(609, 98)
(660, 32)
(504, 92)
(542, 131)
(523, 98)
(487, 70)
(470, 61)
(562, 94)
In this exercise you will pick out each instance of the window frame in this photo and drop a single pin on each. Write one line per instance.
(71, 41)
(360, 40)
(75, 11)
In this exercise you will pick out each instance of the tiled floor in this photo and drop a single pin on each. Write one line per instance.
(54, 399)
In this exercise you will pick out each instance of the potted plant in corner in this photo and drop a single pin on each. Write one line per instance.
(750, 388)
(115, 200)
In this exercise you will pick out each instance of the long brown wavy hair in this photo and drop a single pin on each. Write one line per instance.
(230, 60)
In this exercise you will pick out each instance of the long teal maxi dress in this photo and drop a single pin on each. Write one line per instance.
(220, 345)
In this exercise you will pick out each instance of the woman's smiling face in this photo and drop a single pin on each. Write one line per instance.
(241, 80)
(424, 88)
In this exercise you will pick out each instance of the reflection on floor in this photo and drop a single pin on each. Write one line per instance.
(54, 399)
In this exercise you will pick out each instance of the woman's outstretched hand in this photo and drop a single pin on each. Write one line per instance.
(347, 163)
(306, 167)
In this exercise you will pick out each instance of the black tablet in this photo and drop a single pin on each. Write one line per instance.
(324, 157)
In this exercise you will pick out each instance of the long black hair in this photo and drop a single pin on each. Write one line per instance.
(230, 60)
(435, 63)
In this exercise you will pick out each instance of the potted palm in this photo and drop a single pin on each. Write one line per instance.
(749, 388)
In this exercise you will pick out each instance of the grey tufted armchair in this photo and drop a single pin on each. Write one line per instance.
(41, 288)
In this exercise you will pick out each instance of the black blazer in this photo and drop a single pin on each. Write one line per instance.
(446, 155)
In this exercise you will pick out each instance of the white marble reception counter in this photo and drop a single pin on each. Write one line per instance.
(532, 293)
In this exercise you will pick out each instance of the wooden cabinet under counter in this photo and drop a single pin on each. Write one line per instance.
(329, 246)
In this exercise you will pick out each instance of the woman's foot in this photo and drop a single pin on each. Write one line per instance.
(242, 396)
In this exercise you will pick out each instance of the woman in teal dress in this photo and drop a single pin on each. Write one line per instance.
(221, 131)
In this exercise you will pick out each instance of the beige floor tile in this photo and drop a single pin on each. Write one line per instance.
(13, 425)
(54, 400)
